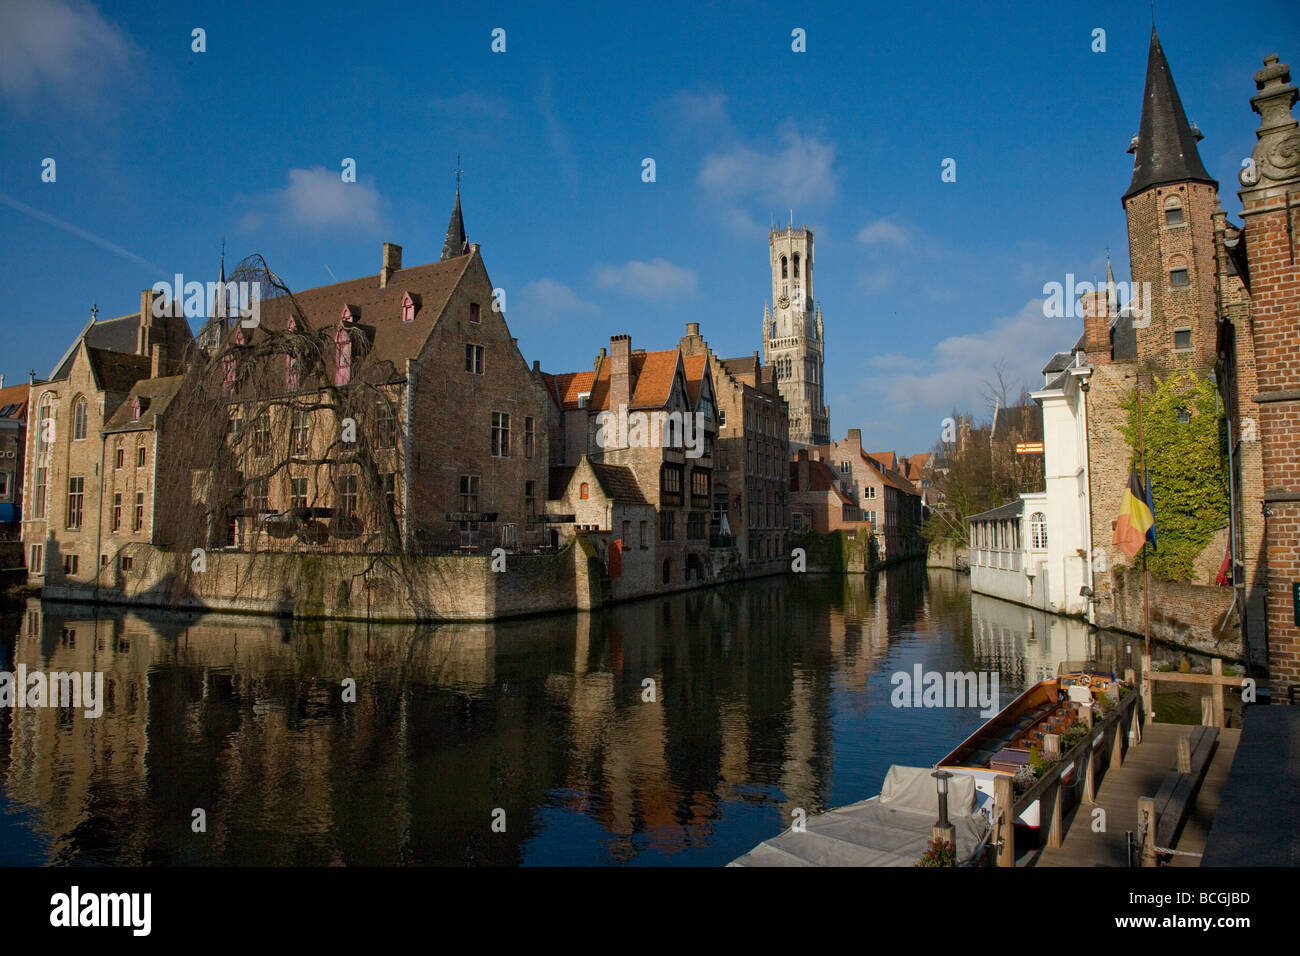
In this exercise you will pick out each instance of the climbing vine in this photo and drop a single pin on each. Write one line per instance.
(1185, 458)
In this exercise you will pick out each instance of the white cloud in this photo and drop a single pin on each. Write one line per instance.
(959, 365)
(656, 279)
(884, 232)
(319, 197)
(548, 299)
(62, 47)
(798, 173)
(707, 110)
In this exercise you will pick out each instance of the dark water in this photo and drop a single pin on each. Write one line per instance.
(767, 697)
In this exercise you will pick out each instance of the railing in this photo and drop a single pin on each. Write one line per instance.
(1211, 705)
(1047, 789)
(997, 558)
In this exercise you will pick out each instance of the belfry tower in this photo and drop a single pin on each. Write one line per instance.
(792, 335)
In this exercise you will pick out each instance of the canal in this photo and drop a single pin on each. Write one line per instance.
(674, 731)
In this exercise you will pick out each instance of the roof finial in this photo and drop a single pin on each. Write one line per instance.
(94, 311)
(1153, 14)
(458, 171)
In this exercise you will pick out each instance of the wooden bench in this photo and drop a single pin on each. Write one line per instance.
(1177, 792)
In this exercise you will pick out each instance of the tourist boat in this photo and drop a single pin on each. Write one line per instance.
(1002, 747)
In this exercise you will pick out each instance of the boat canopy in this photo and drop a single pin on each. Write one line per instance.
(893, 829)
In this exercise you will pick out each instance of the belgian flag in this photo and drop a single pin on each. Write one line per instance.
(1137, 522)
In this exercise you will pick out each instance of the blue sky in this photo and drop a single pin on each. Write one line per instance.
(924, 285)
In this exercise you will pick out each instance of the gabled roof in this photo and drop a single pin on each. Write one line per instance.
(652, 374)
(821, 477)
(121, 334)
(155, 395)
(13, 401)
(887, 459)
(695, 367)
(617, 482)
(1166, 144)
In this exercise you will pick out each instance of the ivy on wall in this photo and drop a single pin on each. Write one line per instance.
(1185, 458)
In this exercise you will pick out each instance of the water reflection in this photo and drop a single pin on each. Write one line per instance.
(766, 697)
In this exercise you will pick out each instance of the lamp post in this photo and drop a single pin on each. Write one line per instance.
(943, 831)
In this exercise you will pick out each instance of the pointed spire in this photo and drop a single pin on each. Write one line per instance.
(456, 244)
(1165, 144)
(1112, 294)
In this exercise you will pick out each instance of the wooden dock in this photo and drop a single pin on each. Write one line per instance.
(1141, 774)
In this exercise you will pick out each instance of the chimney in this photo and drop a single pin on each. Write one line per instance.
(692, 328)
(158, 360)
(855, 437)
(1096, 327)
(392, 263)
(537, 365)
(473, 248)
(620, 372)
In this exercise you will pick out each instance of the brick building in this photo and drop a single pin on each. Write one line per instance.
(13, 440)
(64, 477)
(818, 502)
(883, 496)
(750, 477)
(1168, 324)
(1258, 331)
(594, 415)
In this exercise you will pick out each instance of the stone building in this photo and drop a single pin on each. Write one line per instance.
(654, 414)
(750, 474)
(793, 343)
(64, 478)
(13, 439)
(390, 412)
(1258, 309)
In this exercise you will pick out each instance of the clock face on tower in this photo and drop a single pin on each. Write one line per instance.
(783, 302)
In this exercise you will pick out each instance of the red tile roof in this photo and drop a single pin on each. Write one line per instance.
(652, 374)
(15, 395)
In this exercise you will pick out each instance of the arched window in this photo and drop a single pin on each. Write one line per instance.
(1173, 211)
(1178, 276)
(1038, 530)
(785, 269)
(796, 265)
(584, 491)
(79, 419)
(343, 357)
(44, 427)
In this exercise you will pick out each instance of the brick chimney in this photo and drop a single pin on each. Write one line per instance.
(158, 360)
(855, 437)
(1096, 327)
(620, 371)
(392, 263)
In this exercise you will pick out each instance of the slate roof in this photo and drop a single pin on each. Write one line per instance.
(617, 482)
(1012, 509)
(121, 334)
(1166, 144)
(456, 244)
(740, 366)
(1026, 420)
(155, 394)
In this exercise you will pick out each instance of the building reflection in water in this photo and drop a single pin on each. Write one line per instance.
(767, 697)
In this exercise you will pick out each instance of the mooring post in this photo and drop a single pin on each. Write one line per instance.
(1054, 794)
(1005, 805)
(1184, 754)
(1089, 780)
(1147, 823)
(1207, 712)
(1149, 714)
(1216, 695)
(1117, 747)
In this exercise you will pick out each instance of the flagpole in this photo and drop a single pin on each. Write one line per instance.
(1146, 576)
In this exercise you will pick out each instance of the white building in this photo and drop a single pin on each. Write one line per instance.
(1035, 550)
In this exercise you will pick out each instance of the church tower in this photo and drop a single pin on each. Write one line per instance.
(792, 335)
(1169, 205)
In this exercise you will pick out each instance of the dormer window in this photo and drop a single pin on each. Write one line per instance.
(342, 357)
(584, 399)
(291, 373)
(410, 304)
(135, 409)
(350, 314)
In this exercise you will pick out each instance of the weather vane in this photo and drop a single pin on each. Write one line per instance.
(458, 171)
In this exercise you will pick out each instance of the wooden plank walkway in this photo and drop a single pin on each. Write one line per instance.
(1144, 768)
